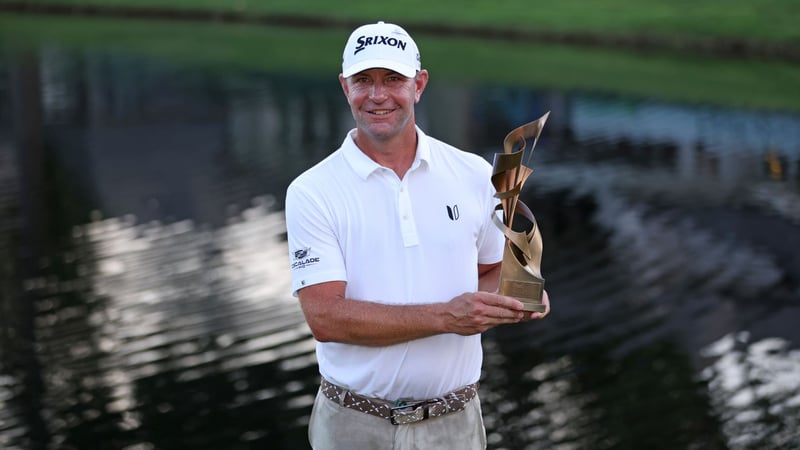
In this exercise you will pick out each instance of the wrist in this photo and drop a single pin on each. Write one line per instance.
(439, 318)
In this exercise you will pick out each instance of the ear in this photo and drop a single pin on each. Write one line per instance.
(420, 81)
(343, 83)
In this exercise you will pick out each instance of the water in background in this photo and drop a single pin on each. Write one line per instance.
(144, 285)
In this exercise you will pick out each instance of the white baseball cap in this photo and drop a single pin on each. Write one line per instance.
(380, 45)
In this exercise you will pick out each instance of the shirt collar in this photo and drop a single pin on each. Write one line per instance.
(364, 166)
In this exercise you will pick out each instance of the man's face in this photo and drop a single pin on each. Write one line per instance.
(382, 101)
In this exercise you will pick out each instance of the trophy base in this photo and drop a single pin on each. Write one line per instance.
(533, 307)
(528, 292)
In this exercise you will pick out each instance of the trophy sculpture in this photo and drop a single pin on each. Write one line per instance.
(520, 274)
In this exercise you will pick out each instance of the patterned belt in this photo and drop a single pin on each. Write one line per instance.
(401, 412)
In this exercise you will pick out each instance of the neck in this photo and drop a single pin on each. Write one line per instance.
(396, 153)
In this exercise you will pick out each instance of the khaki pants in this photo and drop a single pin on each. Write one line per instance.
(333, 427)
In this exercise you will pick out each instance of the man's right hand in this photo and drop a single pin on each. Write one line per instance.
(476, 312)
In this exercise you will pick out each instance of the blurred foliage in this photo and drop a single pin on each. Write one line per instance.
(763, 20)
(660, 74)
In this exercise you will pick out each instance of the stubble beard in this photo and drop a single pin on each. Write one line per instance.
(383, 131)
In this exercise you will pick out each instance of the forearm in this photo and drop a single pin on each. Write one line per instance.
(373, 324)
(334, 318)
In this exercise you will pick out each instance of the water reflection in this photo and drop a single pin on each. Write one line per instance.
(145, 290)
(756, 390)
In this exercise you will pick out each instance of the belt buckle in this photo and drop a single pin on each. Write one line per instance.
(407, 413)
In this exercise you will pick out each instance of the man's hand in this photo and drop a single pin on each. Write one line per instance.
(540, 315)
(476, 312)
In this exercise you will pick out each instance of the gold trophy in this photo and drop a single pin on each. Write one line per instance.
(520, 274)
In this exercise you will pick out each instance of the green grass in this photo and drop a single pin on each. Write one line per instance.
(767, 85)
(768, 20)
(687, 79)
(213, 45)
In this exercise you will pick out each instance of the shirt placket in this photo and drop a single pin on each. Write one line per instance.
(408, 226)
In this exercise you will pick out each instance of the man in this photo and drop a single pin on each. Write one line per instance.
(395, 260)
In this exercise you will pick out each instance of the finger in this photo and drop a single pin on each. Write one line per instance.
(500, 310)
(540, 315)
(503, 315)
(546, 302)
(503, 301)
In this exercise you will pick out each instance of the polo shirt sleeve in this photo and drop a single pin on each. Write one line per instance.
(491, 240)
(314, 252)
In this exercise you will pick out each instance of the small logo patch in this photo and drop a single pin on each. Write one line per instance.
(303, 259)
(452, 212)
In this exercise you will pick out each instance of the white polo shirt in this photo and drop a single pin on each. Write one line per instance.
(415, 240)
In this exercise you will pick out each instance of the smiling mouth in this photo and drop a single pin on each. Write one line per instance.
(381, 112)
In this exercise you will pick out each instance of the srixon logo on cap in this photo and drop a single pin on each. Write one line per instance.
(366, 41)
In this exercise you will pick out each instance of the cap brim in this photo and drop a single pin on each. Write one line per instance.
(403, 69)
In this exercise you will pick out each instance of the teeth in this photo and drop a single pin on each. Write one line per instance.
(380, 113)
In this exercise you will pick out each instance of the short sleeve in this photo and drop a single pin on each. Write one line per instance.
(491, 239)
(315, 255)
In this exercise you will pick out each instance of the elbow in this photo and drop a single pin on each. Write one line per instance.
(321, 335)
(321, 331)
(320, 311)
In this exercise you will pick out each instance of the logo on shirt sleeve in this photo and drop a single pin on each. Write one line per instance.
(302, 258)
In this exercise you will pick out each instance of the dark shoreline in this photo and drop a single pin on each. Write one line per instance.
(725, 48)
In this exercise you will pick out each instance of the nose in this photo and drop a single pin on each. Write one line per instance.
(378, 91)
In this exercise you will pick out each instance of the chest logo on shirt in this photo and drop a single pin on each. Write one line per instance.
(452, 212)
(302, 258)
